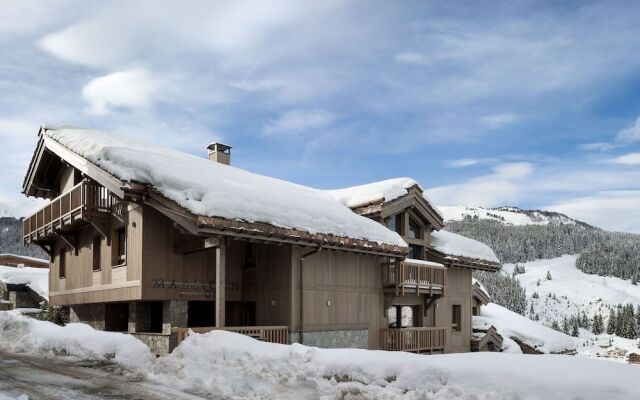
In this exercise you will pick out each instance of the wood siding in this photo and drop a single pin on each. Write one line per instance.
(459, 292)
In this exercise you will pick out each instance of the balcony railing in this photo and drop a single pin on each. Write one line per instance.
(413, 339)
(84, 200)
(271, 334)
(416, 277)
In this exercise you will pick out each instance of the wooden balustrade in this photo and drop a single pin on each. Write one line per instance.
(271, 334)
(413, 339)
(419, 277)
(84, 200)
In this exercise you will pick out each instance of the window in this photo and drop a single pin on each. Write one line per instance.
(416, 252)
(405, 314)
(394, 223)
(62, 263)
(97, 244)
(415, 229)
(249, 255)
(474, 311)
(119, 249)
(456, 317)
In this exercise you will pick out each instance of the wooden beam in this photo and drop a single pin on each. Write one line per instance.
(221, 265)
(103, 228)
(70, 240)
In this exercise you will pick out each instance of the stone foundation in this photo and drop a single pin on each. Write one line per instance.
(158, 343)
(350, 338)
(91, 314)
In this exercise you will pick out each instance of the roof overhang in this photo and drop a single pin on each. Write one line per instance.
(480, 294)
(462, 262)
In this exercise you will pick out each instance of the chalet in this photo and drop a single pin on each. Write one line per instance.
(152, 241)
(22, 287)
(15, 260)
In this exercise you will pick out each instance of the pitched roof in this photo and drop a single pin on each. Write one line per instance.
(209, 189)
(452, 244)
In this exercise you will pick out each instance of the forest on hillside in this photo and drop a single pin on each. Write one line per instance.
(601, 252)
(11, 239)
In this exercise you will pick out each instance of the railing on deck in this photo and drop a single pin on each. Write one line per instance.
(420, 277)
(413, 339)
(87, 196)
(271, 334)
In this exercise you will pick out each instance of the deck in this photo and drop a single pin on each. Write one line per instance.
(419, 340)
(414, 277)
(83, 202)
(271, 334)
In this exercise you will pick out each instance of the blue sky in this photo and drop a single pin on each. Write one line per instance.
(534, 104)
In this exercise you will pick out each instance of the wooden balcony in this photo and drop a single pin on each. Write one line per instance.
(414, 277)
(83, 202)
(271, 334)
(413, 339)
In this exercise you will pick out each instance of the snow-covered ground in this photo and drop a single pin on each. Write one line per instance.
(506, 215)
(576, 292)
(227, 365)
(35, 278)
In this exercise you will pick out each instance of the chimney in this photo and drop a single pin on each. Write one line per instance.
(220, 153)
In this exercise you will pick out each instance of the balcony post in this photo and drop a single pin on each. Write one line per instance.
(221, 253)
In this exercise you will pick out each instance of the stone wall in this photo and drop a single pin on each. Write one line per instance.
(22, 299)
(158, 343)
(91, 314)
(349, 338)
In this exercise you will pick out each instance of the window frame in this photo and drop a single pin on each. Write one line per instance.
(119, 239)
(62, 263)
(97, 253)
(456, 318)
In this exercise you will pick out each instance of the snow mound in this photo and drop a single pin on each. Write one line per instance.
(20, 334)
(385, 191)
(35, 278)
(513, 325)
(453, 244)
(222, 364)
(212, 189)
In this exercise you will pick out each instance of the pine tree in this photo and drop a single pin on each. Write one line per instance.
(611, 323)
(555, 326)
(548, 277)
(565, 326)
(597, 327)
(574, 330)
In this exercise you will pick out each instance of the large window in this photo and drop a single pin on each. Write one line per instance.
(406, 315)
(119, 247)
(62, 263)
(97, 244)
(415, 229)
(395, 223)
(416, 252)
(456, 317)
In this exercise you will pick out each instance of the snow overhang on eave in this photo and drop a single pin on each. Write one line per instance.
(462, 262)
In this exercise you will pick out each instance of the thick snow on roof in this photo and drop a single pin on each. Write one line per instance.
(474, 281)
(36, 259)
(532, 333)
(453, 244)
(386, 190)
(211, 189)
(35, 278)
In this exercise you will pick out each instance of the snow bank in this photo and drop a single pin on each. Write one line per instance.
(386, 190)
(35, 278)
(20, 334)
(227, 365)
(212, 189)
(457, 245)
(532, 333)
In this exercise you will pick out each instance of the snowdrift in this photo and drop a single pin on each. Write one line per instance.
(20, 334)
(35, 278)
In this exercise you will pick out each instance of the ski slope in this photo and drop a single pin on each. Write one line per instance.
(506, 215)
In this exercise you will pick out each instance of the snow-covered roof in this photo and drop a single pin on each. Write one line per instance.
(35, 259)
(424, 262)
(211, 189)
(35, 278)
(480, 286)
(453, 244)
(384, 191)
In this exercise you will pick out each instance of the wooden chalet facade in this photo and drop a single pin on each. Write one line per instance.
(125, 257)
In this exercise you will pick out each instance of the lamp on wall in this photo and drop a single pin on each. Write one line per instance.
(273, 303)
(328, 303)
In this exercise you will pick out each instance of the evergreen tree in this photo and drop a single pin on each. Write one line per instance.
(597, 327)
(555, 326)
(565, 326)
(548, 277)
(611, 323)
(574, 329)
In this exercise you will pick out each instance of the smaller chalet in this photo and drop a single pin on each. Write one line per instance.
(23, 287)
(15, 260)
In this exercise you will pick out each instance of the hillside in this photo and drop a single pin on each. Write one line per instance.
(526, 235)
(11, 239)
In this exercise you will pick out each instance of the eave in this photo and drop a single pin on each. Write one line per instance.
(462, 262)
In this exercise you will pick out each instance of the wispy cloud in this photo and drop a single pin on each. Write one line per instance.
(296, 122)
(132, 88)
(628, 159)
(495, 121)
(470, 162)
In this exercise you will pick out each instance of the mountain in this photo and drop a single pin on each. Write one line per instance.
(11, 239)
(508, 215)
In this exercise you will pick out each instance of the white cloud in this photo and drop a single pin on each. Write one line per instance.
(502, 187)
(612, 210)
(495, 121)
(469, 162)
(630, 134)
(602, 146)
(411, 57)
(132, 88)
(300, 121)
(628, 159)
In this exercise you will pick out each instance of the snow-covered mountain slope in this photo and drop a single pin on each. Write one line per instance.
(508, 215)
(574, 290)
